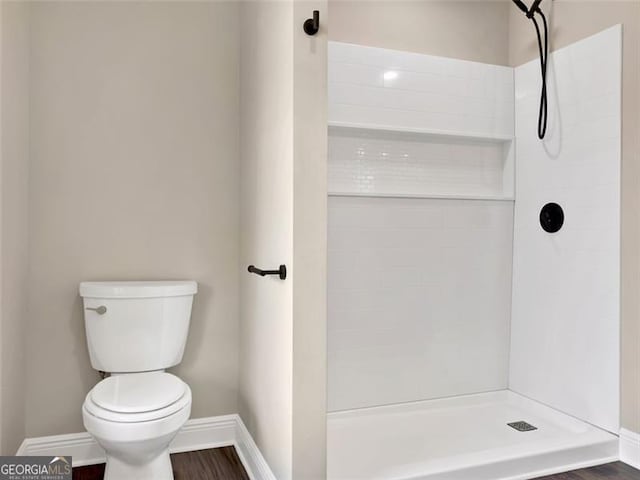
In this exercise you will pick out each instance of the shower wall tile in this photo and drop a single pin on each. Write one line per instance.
(375, 86)
(419, 299)
(566, 318)
(413, 283)
(400, 90)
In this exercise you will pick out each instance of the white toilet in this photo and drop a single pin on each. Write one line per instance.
(135, 330)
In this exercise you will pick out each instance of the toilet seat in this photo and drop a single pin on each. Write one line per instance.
(138, 397)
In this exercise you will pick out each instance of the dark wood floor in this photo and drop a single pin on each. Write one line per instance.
(214, 464)
(615, 471)
(224, 464)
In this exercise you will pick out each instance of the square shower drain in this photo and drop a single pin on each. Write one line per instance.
(522, 426)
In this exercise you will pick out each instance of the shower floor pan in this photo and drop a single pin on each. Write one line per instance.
(462, 438)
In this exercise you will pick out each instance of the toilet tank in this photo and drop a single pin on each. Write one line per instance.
(136, 326)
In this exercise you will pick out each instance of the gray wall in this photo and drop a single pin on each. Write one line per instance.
(572, 21)
(468, 30)
(134, 175)
(14, 171)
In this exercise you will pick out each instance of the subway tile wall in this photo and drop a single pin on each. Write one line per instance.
(419, 288)
(376, 86)
(410, 94)
(419, 299)
(394, 163)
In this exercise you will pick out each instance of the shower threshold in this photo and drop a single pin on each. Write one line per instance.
(462, 438)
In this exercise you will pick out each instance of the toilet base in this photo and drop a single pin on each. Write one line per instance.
(136, 449)
(158, 468)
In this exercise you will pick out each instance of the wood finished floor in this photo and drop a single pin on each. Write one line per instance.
(224, 464)
(615, 471)
(214, 464)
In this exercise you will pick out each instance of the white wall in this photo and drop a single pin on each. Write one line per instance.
(419, 287)
(566, 286)
(283, 348)
(134, 175)
(575, 21)
(266, 334)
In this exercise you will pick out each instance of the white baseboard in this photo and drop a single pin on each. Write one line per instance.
(209, 432)
(250, 455)
(197, 434)
(80, 446)
(630, 448)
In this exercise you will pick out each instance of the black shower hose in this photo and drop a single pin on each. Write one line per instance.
(542, 112)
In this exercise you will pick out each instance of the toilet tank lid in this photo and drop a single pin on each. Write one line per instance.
(149, 289)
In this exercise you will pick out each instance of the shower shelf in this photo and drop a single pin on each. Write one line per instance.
(371, 129)
(498, 198)
(394, 162)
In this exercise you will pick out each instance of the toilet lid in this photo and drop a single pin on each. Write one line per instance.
(138, 392)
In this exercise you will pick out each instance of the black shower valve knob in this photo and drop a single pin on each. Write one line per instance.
(551, 217)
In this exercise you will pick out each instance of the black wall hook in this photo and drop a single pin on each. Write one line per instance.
(281, 272)
(312, 25)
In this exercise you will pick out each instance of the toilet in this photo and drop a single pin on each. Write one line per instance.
(136, 330)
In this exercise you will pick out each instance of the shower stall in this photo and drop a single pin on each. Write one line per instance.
(473, 280)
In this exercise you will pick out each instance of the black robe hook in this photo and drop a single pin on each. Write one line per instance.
(312, 25)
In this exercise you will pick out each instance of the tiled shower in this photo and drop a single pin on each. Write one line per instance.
(451, 311)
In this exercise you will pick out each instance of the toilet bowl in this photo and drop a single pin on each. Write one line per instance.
(134, 417)
(135, 331)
